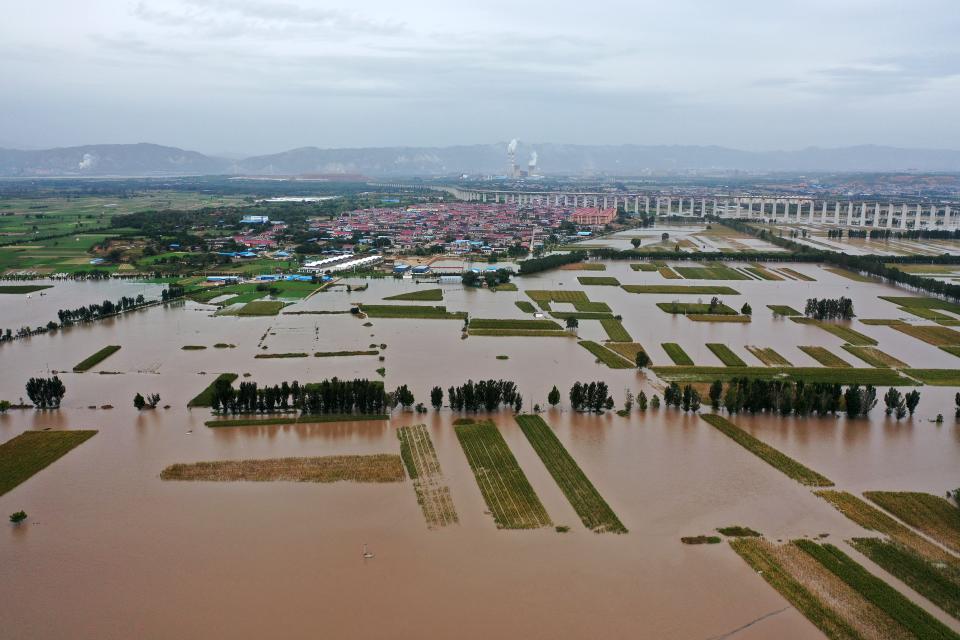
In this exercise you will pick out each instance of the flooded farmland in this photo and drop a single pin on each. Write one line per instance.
(123, 554)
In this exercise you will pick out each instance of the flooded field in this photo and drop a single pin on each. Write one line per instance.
(112, 551)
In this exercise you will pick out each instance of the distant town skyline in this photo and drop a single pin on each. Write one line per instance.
(250, 77)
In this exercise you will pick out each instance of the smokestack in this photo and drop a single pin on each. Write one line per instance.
(532, 165)
(512, 158)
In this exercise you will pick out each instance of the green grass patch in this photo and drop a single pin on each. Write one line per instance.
(515, 333)
(850, 275)
(606, 356)
(798, 275)
(204, 398)
(778, 460)
(423, 295)
(680, 289)
(615, 330)
(713, 272)
(763, 273)
(936, 335)
(503, 485)
(592, 307)
(268, 356)
(911, 303)
(875, 358)
(23, 288)
(505, 286)
(917, 621)
(261, 308)
(557, 295)
(510, 323)
(607, 281)
(669, 274)
(845, 376)
(32, 451)
(411, 311)
(726, 355)
(953, 350)
(677, 354)
(715, 317)
(768, 356)
(294, 419)
(937, 584)
(525, 306)
(783, 310)
(193, 347)
(936, 377)
(758, 555)
(695, 308)
(737, 531)
(824, 356)
(643, 266)
(842, 332)
(930, 514)
(96, 358)
(700, 540)
(628, 350)
(580, 315)
(593, 510)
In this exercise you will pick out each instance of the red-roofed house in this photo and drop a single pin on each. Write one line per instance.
(593, 216)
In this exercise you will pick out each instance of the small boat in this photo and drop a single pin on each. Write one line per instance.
(366, 553)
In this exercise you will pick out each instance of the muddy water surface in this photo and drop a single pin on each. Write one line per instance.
(110, 551)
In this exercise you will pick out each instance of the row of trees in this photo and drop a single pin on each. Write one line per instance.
(102, 310)
(900, 404)
(172, 292)
(489, 395)
(490, 278)
(590, 396)
(792, 398)
(687, 398)
(829, 308)
(46, 393)
(333, 396)
(533, 265)
(149, 402)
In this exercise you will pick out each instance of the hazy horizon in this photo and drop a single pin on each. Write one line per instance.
(249, 77)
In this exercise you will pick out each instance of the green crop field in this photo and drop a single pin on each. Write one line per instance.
(842, 332)
(768, 454)
(931, 514)
(783, 310)
(938, 336)
(726, 355)
(714, 272)
(423, 295)
(599, 281)
(261, 308)
(423, 467)
(203, 398)
(32, 451)
(307, 418)
(593, 510)
(846, 376)
(680, 289)
(874, 357)
(515, 333)
(96, 358)
(525, 306)
(677, 354)
(936, 377)
(411, 311)
(606, 356)
(824, 356)
(510, 323)
(581, 315)
(695, 308)
(506, 490)
(615, 330)
(23, 288)
(768, 356)
(643, 266)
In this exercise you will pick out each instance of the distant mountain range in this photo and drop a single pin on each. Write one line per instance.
(564, 159)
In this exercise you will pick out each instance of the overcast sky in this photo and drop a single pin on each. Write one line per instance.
(258, 76)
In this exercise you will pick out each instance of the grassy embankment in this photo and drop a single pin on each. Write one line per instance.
(506, 490)
(680, 289)
(677, 354)
(914, 619)
(423, 295)
(380, 467)
(726, 355)
(783, 310)
(842, 332)
(608, 281)
(846, 376)
(203, 398)
(593, 510)
(875, 358)
(768, 454)
(768, 356)
(23, 288)
(411, 311)
(96, 358)
(824, 356)
(423, 467)
(32, 451)
(606, 356)
(294, 419)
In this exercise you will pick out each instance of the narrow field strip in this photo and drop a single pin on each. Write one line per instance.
(615, 330)
(796, 274)
(726, 354)
(506, 490)
(930, 514)
(836, 375)
(606, 356)
(423, 467)
(380, 467)
(914, 619)
(677, 354)
(628, 350)
(607, 281)
(768, 454)
(593, 510)
(842, 332)
(302, 419)
(783, 310)
(768, 356)
(424, 295)
(875, 358)
(95, 359)
(824, 356)
(510, 323)
(680, 289)
(411, 311)
(203, 398)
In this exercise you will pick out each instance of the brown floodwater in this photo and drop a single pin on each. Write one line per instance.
(111, 551)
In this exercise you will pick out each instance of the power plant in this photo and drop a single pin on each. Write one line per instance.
(513, 171)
